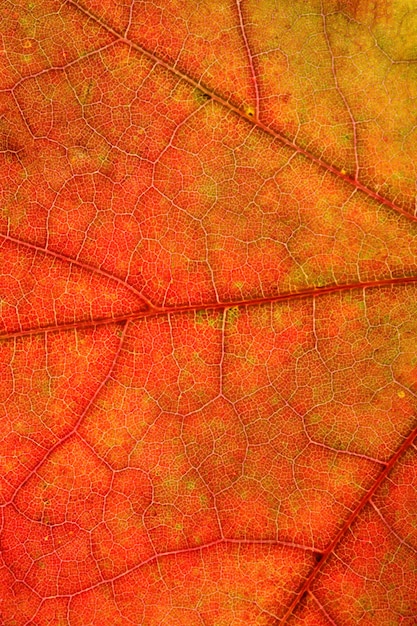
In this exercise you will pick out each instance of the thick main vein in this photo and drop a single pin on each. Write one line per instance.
(250, 119)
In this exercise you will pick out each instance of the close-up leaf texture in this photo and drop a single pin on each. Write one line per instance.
(208, 308)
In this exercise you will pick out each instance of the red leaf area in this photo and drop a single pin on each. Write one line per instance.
(209, 312)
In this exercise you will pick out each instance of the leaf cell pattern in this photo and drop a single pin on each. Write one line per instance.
(208, 309)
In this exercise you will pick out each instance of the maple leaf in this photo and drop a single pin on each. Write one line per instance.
(209, 312)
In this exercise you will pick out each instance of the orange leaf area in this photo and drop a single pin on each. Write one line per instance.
(208, 313)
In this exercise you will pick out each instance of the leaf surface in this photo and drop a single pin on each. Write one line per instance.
(208, 313)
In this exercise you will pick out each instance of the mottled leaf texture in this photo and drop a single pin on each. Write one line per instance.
(208, 303)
